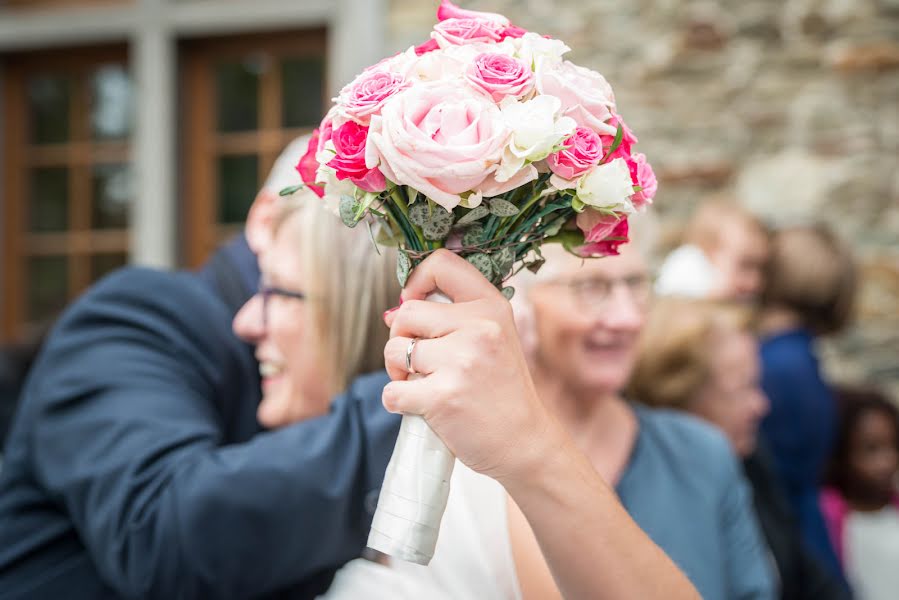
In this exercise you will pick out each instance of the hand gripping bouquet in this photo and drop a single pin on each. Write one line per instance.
(485, 141)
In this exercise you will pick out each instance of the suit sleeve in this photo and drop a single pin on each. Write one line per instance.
(130, 442)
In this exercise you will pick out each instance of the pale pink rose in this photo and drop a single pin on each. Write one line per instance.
(367, 93)
(585, 94)
(583, 151)
(643, 176)
(448, 10)
(500, 75)
(608, 246)
(596, 225)
(438, 138)
(325, 131)
(458, 32)
(349, 162)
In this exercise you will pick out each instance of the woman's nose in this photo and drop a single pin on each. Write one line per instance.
(249, 324)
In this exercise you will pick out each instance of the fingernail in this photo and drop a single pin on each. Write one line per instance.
(389, 311)
(401, 301)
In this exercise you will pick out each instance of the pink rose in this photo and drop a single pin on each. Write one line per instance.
(583, 150)
(440, 139)
(512, 31)
(586, 95)
(349, 143)
(308, 165)
(458, 32)
(448, 10)
(325, 131)
(608, 246)
(628, 138)
(500, 75)
(428, 46)
(643, 176)
(368, 92)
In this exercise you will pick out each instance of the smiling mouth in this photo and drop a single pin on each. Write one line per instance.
(270, 369)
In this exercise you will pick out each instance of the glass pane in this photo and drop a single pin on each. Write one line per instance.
(303, 81)
(112, 192)
(48, 285)
(237, 97)
(49, 97)
(101, 264)
(49, 205)
(238, 182)
(112, 110)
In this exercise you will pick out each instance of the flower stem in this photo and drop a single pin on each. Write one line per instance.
(418, 239)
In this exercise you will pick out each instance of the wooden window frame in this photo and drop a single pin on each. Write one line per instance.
(77, 155)
(200, 233)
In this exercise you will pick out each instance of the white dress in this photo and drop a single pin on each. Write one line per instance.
(872, 553)
(473, 558)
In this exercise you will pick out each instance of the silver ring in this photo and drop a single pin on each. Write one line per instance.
(409, 350)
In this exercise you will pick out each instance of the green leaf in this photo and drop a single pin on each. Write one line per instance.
(554, 226)
(502, 262)
(347, 209)
(483, 264)
(473, 215)
(508, 292)
(502, 208)
(535, 265)
(439, 225)
(577, 205)
(474, 236)
(371, 234)
(291, 190)
(403, 267)
(419, 213)
(619, 134)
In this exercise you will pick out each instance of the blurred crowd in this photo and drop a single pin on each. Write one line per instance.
(793, 493)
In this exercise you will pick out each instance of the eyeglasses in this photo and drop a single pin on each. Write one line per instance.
(266, 291)
(595, 291)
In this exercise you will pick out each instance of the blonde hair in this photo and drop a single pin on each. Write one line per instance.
(674, 358)
(813, 273)
(704, 229)
(349, 286)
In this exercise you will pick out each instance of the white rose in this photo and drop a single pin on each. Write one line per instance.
(536, 130)
(534, 49)
(607, 186)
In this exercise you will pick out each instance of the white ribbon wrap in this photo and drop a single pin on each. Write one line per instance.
(416, 486)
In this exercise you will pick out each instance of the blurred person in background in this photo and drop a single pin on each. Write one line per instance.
(861, 497)
(810, 285)
(701, 357)
(144, 462)
(722, 256)
(676, 476)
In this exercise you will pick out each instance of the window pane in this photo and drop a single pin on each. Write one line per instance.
(237, 97)
(101, 264)
(49, 97)
(112, 192)
(238, 182)
(111, 103)
(49, 205)
(303, 87)
(48, 285)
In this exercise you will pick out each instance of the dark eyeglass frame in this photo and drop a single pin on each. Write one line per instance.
(266, 291)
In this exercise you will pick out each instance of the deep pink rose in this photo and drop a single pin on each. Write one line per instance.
(428, 46)
(500, 75)
(308, 165)
(368, 92)
(643, 176)
(583, 151)
(607, 246)
(441, 139)
(628, 139)
(512, 31)
(458, 32)
(349, 143)
(448, 10)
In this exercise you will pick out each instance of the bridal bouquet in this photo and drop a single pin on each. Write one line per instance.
(485, 141)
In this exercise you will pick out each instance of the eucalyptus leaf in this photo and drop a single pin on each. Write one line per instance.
(483, 264)
(403, 267)
(291, 190)
(348, 206)
(502, 208)
(508, 292)
(419, 213)
(502, 262)
(439, 225)
(473, 236)
(473, 215)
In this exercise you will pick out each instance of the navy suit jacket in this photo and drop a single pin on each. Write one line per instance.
(136, 468)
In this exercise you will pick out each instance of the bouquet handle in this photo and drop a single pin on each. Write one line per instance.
(415, 490)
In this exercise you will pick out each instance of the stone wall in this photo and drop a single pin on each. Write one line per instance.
(792, 106)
